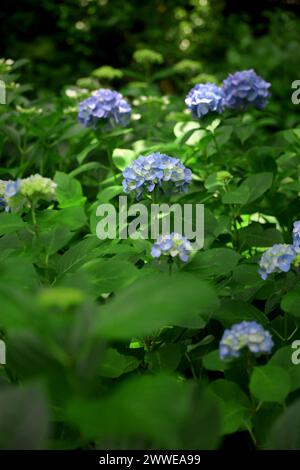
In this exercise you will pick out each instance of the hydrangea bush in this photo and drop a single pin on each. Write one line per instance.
(106, 346)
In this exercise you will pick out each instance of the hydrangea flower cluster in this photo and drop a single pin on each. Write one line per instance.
(172, 245)
(249, 334)
(205, 98)
(106, 105)
(296, 236)
(276, 259)
(239, 90)
(23, 192)
(36, 186)
(280, 257)
(156, 170)
(245, 88)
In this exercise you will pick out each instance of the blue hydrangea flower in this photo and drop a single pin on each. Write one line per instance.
(12, 188)
(247, 334)
(276, 259)
(205, 98)
(172, 245)
(246, 88)
(105, 105)
(156, 170)
(296, 235)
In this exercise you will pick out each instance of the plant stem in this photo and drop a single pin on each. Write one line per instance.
(191, 366)
(34, 221)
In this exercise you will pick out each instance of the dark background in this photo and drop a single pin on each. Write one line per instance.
(65, 40)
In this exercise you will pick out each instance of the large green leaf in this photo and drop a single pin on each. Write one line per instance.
(256, 235)
(154, 302)
(257, 185)
(235, 311)
(270, 383)
(285, 434)
(76, 255)
(71, 217)
(110, 275)
(10, 223)
(114, 364)
(69, 191)
(159, 409)
(291, 302)
(251, 189)
(214, 262)
(234, 404)
(239, 195)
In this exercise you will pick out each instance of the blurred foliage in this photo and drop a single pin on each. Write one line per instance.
(104, 348)
(68, 40)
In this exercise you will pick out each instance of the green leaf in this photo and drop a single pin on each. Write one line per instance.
(212, 361)
(110, 275)
(270, 383)
(30, 357)
(234, 404)
(152, 303)
(237, 196)
(24, 421)
(223, 134)
(12, 134)
(244, 132)
(69, 191)
(235, 311)
(10, 223)
(284, 358)
(86, 167)
(284, 434)
(84, 153)
(291, 302)
(18, 271)
(123, 157)
(214, 262)
(55, 239)
(164, 359)
(263, 158)
(189, 132)
(247, 275)
(109, 193)
(115, 364)
(16, 306)
(159, 409)
(257, 185)
(77, 255)
(256, 235)
(251, 189)
(72, 217)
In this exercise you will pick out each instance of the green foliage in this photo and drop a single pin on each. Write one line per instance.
(107, 347)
